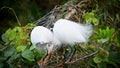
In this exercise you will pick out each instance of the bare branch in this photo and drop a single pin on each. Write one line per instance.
(80, 59)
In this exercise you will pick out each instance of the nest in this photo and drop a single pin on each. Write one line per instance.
(71, 10)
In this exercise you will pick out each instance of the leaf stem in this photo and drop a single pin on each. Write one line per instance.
(13, 13)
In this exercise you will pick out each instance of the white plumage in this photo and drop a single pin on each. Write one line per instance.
(69, 32)
(41, 38)
(64, 32)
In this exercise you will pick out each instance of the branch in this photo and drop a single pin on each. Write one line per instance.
(80, 59)
(13, 13)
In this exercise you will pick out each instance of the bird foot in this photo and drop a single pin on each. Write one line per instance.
(41, 64)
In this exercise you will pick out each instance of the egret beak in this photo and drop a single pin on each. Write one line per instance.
(46, 58)
(50, 49)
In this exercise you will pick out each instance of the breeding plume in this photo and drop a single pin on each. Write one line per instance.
(69, 32)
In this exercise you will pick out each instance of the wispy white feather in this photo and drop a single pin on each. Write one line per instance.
(69, 32)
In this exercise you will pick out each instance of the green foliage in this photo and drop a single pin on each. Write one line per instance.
(106, 56)
(17, 48)
(9, 51)
(104, 35)
(20, 48)
(117, 39)
(91, 17)
(28, 54)
(102, 56)
(19, 37)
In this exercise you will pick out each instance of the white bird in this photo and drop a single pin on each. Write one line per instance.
(69, 32)
(42, 38)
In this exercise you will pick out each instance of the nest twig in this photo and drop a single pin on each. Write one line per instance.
(82, 58)
(67, 11)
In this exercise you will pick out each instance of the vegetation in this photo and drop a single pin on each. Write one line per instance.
(16, 50)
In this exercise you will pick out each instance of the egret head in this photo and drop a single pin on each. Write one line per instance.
(42, 39)
(50, 47)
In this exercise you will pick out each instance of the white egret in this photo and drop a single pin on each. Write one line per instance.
(42, 38)
(69, 32)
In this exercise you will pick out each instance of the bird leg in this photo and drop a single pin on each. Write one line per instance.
(83, 50)
(73, 50)
(63, 65)
(66, 57)
(42, 63)
(47, 58)
(70, 55)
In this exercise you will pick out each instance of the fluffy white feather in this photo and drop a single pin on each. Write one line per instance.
(69, 32)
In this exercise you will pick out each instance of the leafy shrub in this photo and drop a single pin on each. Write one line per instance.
(16, 49)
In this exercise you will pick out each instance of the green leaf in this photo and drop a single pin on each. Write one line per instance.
(90, 17)
(9, 51)
(10, 34)
(97, 59)
(39, 54)
(95, 21)
(7, 33)
(102, 56)
(20, 48)
(13, 57)
(4, 38)
(2, 47)
(103, 40)
(91, 14)
(103, 53)
(32, 47)
(27, 54)
(17, 29)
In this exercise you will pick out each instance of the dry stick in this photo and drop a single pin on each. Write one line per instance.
(14, 14)
(73, 10)
(81, 58)
(51, 12)
(39, 20)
